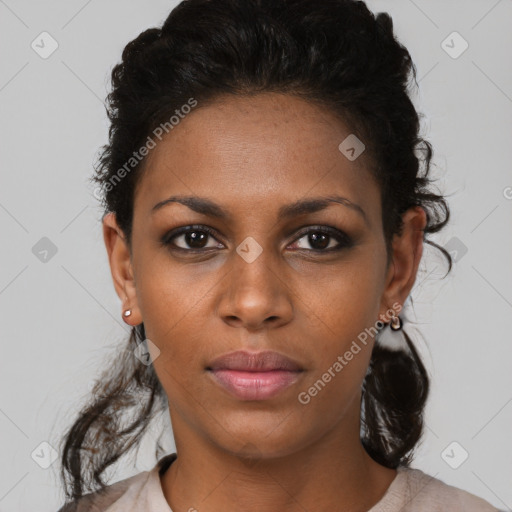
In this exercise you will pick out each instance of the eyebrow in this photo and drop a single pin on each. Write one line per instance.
(205, 206)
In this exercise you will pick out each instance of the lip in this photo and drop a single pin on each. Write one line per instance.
(243, 360)
(254, 376)
(255, 385)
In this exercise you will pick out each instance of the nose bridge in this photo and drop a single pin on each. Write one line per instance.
(255, 268)
(255, 290)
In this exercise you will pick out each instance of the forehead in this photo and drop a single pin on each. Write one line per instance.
(259, 151)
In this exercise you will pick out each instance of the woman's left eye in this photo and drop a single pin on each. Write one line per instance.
(321, 238)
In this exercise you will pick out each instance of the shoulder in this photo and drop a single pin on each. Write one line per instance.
(120, 496)
(99, 501)
(425, 492)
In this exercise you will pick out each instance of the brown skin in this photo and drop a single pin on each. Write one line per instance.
(252, 155)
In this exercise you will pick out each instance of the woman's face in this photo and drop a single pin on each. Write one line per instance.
(258, 281)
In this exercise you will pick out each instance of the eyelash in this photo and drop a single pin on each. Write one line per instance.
(342, 238)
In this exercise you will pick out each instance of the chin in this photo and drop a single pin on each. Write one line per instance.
(261, 438)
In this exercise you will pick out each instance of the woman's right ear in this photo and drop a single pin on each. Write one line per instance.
(121, 266)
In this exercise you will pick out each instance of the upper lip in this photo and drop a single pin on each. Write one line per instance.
(243, 360)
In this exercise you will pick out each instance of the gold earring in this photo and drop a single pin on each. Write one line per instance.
(396, 323)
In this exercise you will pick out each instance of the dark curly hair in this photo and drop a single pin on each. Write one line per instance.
(335, 53)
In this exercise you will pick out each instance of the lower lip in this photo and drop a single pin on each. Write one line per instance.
(255, 385)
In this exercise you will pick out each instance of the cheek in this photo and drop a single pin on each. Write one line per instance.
(343, 343)
(345, 301)
(341, 317)
(171, 297)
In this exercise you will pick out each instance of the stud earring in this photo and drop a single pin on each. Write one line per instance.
(127, 312)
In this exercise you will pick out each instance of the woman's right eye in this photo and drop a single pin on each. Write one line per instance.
(191, 238)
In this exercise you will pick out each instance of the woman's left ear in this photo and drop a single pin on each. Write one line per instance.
(121, 268)
(407, 249)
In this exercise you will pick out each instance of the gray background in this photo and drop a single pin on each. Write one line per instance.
(60, 318)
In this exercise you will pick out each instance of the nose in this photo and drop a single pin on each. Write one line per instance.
(254, 295)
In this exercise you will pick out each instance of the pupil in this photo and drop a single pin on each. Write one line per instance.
(315, 237)
(194, 240)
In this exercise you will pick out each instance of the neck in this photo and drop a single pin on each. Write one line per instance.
(320, 476)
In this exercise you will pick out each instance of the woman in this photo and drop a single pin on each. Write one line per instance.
(266, 204)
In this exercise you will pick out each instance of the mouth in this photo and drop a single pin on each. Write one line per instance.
(247, 385)
(254, 376)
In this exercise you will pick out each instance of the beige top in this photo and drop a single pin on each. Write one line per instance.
(410, 491)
